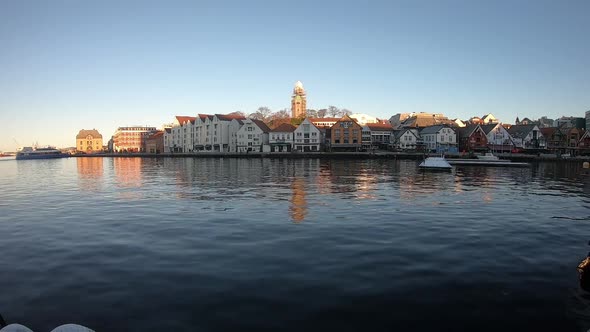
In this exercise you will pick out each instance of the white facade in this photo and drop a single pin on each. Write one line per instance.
(528, 141)
(234, 127)
(363, 119)
(406, 139)
(251, 137)
(281, 139)
(168, 146)
(499, 136)
(442, 137)
(307, 137)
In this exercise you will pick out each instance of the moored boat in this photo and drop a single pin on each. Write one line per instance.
(40, 153)
(488, 159)
(435, 163)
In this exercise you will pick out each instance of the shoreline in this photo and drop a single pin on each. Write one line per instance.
(328, 155)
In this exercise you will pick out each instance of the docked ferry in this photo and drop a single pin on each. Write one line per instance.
(40, 153)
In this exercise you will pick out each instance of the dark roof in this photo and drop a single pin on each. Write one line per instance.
(520, 131)
(284, 128)
(399, 132)
(379, 126)
(467, 131)
(433, 129)
(261, 125)
(84, 133)
(548, 131)
(487, 128)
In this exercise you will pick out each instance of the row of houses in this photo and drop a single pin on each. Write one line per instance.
(238, 134)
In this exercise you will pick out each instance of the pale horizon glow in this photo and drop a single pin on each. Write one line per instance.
(71, 65)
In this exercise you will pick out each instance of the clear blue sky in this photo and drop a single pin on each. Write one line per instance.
(69, 65)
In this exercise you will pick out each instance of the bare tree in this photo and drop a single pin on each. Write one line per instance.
(322, 113)
(311, 113)
(263, 113)
(333, 111)
(279, 115)
(239, 113)
(345, 111)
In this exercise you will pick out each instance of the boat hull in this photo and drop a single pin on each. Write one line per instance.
(48, 156)
(493, 163)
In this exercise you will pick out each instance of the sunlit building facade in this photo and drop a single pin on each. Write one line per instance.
(131, 139)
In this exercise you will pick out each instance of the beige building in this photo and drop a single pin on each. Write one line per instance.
(298, 101)
(89, 141)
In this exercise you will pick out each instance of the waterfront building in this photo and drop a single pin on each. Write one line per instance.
(584, 143)
(527, 136)
(555, 139)
(298, 101)
(379, 135)
(499, 140)
(323, 122)
(439, 138)
(363, 119)
(203, 136)
(154, 142)
(281, 138)
(472, 138)
(524, 122)
(89, 141)
(234, 127)
(168, 147)
(220, 134)
(252, 136)
(406, 139)
(423, 120)
(573, 138)
(489, 119)
(545, 122)
(459, 123)
(397, 119)
(570, 122)
(181, 133)
(307, 137)
(346, 135)
(131, 139)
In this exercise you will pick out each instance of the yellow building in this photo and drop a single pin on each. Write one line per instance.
(298, 101)
(89, 141)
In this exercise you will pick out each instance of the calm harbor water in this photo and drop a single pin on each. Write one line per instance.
(131, 244)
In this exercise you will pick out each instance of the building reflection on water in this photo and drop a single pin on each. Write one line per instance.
(128, 176)
(298, 202)
(90, 173)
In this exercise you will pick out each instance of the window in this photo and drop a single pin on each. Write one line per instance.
(337, 141)
(337, 132)
(249, 136)
(314, 134)
(250, 128)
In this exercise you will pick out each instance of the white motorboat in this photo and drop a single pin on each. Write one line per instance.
(435, 163)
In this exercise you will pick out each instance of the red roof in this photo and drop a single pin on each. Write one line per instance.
(229, 117)
(284, 128)
(204, 117)
(184, 118)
